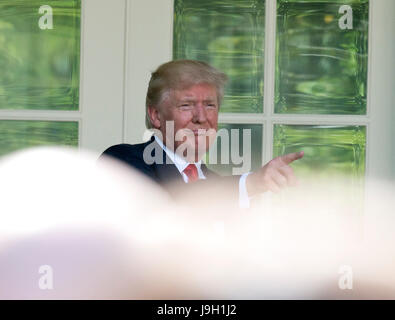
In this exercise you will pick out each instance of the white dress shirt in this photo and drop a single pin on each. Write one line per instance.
(181, 164)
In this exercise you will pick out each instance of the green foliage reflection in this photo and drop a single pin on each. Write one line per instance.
(229, 34)
(39, 68)
(17, 134)
(320, 67)
(329, 150)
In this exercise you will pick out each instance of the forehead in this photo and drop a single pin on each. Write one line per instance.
(199, 91)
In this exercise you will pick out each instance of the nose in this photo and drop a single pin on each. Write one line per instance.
(199, 113)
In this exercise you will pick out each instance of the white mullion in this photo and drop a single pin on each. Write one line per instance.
(294, 119)
(321, 119)
(270, 56)
(270, 60)
(367, 145)
(266, 142)
(368, 98)
(82, 55)
(44, 115)
(381, 95)
(370, 43)
(265, 133)
(82, 74)
(241, 118)
(369, 86)
(268, 146)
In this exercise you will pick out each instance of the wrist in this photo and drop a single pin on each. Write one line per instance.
(252, 184)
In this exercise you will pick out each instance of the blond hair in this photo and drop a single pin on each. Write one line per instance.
(179, 75)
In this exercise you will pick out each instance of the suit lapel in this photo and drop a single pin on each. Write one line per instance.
(166, 171)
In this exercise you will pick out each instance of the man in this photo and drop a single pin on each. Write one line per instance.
(182, 106)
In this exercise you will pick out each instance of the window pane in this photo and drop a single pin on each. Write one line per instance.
(17, 134)
(242, 148)
(229, 34)
(39, 65)
(321, 58)
(329, 150)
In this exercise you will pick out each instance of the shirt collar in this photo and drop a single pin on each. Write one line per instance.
(179, 162)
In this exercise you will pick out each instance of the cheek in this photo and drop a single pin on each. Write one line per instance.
(213, 119)
(182, 119)
(165, 116)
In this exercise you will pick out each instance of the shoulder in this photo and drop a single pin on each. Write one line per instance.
(131, 155)
(126, 151)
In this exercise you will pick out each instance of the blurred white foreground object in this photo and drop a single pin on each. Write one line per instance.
(74, 229)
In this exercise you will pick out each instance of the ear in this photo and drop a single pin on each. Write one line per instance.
(154, 116)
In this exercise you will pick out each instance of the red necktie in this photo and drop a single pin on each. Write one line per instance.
(191, 172)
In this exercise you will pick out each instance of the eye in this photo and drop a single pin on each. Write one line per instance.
(185, 106)
(211, 106)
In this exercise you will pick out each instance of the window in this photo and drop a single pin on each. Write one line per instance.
(299, 81)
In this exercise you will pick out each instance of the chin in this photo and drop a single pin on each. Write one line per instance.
(193, 148)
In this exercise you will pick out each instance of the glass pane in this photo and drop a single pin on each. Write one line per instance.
(17, 134)
(229, 34)
(329, 150)
(39, 54)
(321, 56)
(238, 146)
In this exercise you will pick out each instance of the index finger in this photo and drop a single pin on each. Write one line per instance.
(290, 157)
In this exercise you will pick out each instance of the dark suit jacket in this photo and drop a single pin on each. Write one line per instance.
(167, 175)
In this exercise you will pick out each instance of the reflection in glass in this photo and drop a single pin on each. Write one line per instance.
(242, 148)
(229, 34)
(18, 134)
(39, 66)
(329, 150)
(321, 66)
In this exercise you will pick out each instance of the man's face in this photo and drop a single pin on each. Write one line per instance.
(195, 109)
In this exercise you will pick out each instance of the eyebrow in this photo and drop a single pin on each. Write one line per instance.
(190, 99)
